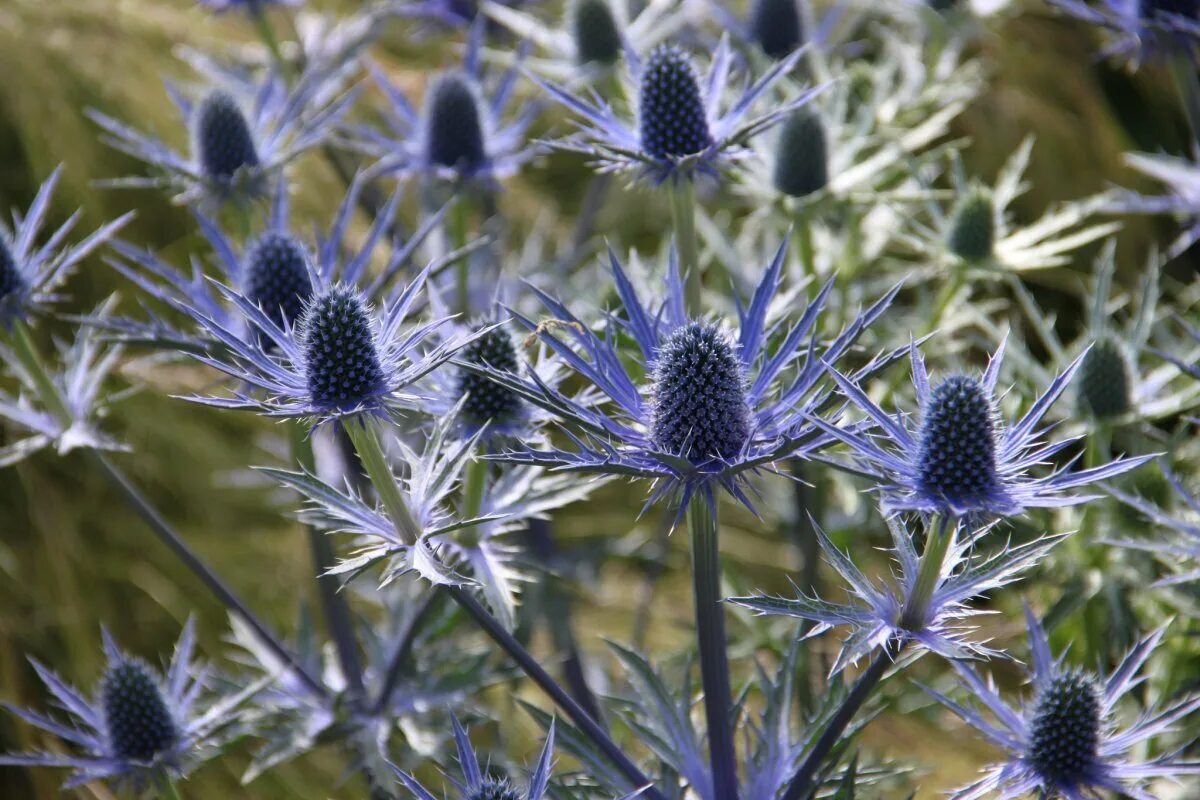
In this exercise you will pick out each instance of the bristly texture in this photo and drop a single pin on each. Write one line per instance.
(221, 140)
(494, 789)
(484, 400)
(597, 37)
(1064, 741)
(453, 134)
(972, 235)
(671, 109)
(959, 460)
(801, 155)
(1142, 29)
(30, 274)
(742, 404)
(777, 26)
(1105, 383)
(275, 275)
(140, 724)
(681, 131)
(341, 360)
(975, 565)
(1181, 177)
(1181, 552)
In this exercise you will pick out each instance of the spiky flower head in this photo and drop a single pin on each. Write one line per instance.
(221, 139)
(597, 36)
(957, 456)
(700, 408)
(1106, 380)
(494, 789)
(777, 26)
(972, 235)
(454, 133)
(1065, 730)
(139, 723)
(341, 360)
(801, 155)
(275, 275)
(485, 400)
(671, 108)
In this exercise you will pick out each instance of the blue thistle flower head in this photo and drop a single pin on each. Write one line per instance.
(454, 132)
(275, 275)
(801, 155)
(972, 235)
(487, 402)
(1064, 741)
(139, 723)
(777, 26)
(596, 33)
(341, 360)
(1106, 380)
(222, 142)
(494, 789)
(961, 459)
(671, 108)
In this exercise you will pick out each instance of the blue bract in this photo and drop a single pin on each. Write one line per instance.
(1142, 29)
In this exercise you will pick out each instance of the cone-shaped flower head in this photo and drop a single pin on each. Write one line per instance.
(958, 443)
(494, 789)
(1105, 380)
(10, 276)
(455, 133)
(801, 155)
(341, 360)
(973, 228)
(777, 26)
(1065, 729)
(673, 119)
(136, 716)
(700, 407)
(276, 275)
(487, 401)
(221, 137)
(597, 38)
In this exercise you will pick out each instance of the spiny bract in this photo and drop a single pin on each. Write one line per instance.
(1105, 385)
(221, 137)
(487, 401)
(455, 132)
(341, 360)
(777, 26)
(957, 457)
(801, 155)
(973, 228)
(1065, 731)
(673, 120)
(494, 789)
(700, 408)
(276, 276)
(597, 38)
(136, 717)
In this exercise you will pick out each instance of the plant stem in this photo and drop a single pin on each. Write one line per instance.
(1188, 83)
(710, 633)
(459, 222)
(166, 787)
(363, 432)
(547, 684)
(804, 241)
(48, 392)
(801, 786)
(265, 32)
(683, 215)
(404, 646)
(937, 544)
(474, 486)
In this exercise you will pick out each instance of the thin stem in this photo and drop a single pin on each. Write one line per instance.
(937, 544)
(802, 783)
(710, 633)
(547, 684)
(804, 241)
(683, 216)
(166, 787)
(363, 432)
(211, 581)
(458, 222)
(404, 646)
(48, 391)
(474, 486)
(1188, 83)
(267, 34)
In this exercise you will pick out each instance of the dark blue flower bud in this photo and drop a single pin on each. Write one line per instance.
(454, 132)
(801, 155)
(494, 789)
(777, 26)
(973, 228)
(221, 137)
(136, 717)
(700, 407)
(1065, 731)
(597, 37)
(958, 442)
(673, 119)
(341, 361)
(275, 276)
(1105, 382)
(10, 276)
(487, 401)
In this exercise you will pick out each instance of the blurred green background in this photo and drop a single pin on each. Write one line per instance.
(72, 557)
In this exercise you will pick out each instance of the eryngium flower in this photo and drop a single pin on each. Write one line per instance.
(597, 37)
(453, 132)
(1105, 380)
(1064, 741)
(276, 275)
(960, 458)
(777, 26)
(1141, 29)
(681, 131)
(30, 274)
(484, 401)
(341, 359)
(801, 155)
(972, 235)
(712, 409)
(221, 140)
(139, 724)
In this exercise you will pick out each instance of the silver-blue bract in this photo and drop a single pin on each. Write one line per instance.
(782, 385)
(31, 273)
(922, 468)
(1182, 552)
(1141, 29)
(249, 6)
(1090, 754)
(189, 727)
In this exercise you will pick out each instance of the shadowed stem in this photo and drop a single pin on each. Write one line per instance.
(363, 432)
(683, 215)
(404, 646)
(710, 633)
(803, 782)
(802, 219)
